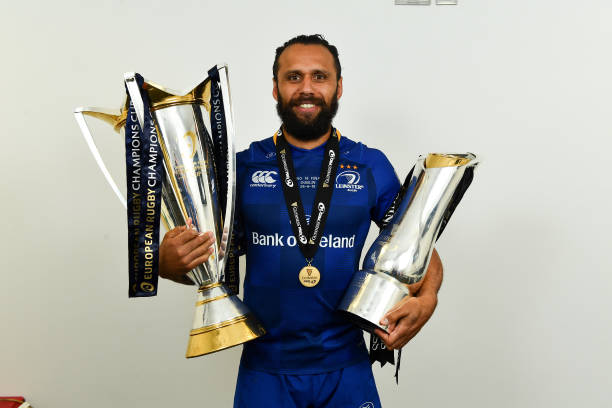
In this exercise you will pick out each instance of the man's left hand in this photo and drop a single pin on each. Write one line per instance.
(406, 319)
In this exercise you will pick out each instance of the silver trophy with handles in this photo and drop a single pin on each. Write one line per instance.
(401, 253)
(199, 184)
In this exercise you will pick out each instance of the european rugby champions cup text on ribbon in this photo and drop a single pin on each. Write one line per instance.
(145, 174)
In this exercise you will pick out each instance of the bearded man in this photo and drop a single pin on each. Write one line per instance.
(301, 256)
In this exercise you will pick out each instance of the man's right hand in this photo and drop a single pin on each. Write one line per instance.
(181, 250)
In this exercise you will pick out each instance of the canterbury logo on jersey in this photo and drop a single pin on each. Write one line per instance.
(279, 240)
(348, 180)
(264, 178)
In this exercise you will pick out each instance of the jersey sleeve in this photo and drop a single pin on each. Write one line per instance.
(387, 184)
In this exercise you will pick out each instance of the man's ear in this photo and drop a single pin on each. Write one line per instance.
(339, 88)
(274, 90)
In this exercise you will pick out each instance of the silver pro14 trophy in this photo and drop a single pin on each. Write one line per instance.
(198, 184)
(401, 253)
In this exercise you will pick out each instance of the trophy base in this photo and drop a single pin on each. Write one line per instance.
(221, 321)
(369, 297)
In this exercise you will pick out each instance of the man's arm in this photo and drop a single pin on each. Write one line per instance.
(407, 318)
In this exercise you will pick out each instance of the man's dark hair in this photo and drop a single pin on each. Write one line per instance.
(313, 39)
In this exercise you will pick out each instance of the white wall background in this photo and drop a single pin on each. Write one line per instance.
(524, 318)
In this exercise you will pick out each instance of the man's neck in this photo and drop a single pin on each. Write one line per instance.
(306, 144)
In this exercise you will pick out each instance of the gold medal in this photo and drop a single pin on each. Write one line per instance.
(309, 276)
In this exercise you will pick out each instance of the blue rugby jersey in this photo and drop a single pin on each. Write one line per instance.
(305, 333)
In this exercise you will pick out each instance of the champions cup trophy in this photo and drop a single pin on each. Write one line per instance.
(401, 253)
(194, 133)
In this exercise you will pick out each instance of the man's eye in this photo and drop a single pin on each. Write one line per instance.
(319, 77)
(293, 77)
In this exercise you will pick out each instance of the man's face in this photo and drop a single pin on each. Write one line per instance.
(307, 91)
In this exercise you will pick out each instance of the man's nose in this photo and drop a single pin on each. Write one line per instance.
(307, 85)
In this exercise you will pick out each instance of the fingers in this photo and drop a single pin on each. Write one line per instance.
(182, 250)
(386, 338)
(190, 239)
(204, 248)
(187, 233)
(201, 259)
(396, 339)
(402, 335)
(200, 239)
(404, 308)
(403, 323)
(174, 232)
(399, 311)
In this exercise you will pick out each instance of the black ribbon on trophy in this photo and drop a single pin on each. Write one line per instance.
(465, 182)
(219, 148)
(308, 235)
(144, 174)
(219, 136)
(232, 266)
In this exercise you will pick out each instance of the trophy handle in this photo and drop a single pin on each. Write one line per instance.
(108, 116)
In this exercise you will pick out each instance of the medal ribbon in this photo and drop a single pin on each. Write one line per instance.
(144, 173)
(308, 235)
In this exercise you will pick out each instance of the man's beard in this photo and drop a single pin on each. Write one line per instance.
(311, 129)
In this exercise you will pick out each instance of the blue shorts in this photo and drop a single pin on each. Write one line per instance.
(350, 387)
